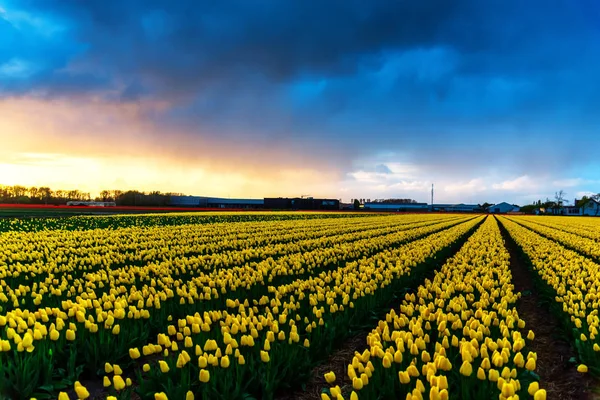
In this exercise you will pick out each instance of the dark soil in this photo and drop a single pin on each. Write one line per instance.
(557, 374)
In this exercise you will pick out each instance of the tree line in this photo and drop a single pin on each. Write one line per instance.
(18, 194)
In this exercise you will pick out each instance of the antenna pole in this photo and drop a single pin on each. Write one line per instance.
(432, 197)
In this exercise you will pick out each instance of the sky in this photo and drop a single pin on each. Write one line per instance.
(488, 100)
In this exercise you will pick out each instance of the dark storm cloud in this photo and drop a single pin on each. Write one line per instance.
(178, 48)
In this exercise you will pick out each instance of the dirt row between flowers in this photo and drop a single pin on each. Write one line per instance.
(558, 374)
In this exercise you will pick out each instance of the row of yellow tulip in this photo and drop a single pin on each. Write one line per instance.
(582, 226)
(572, 281)
(145, 244)
(575, 241)
(160, 219)
(458, 336)
(101, 313)
(82, 262)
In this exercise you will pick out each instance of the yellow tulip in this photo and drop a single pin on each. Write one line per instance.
(420, 387)
(4, 345)
(204, 375)
(134, 353)
(202, 361)
(106, 381)
(264, 356)
(493, 375)
(146, 367)
(70, 335)
(164, 367)
(481, 374)
(82, 392)
(466, 368)
(225, 362)
(160, 396)
(582, 368)
(181, 361)
(118, 382)
(357, 383)
(507, 389)
(189, 395)
(533, 387)
(63, 396)
(330, 377)
(404, 377)
(108, 368)
(540, 395)
(412, 371)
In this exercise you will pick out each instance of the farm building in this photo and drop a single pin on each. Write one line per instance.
(92, 203)
(592, 207)
(571, 210)
(185, 201)
(309, 203)
(503, 208)
(397, 206)
(218, 202)
(457, 207)
(214, 202)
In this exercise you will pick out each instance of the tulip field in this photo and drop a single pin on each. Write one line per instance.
(246, 305)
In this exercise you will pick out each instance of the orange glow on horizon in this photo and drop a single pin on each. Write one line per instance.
(91, 146)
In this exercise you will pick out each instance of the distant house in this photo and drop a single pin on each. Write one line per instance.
(592, 207)
(571, 210)
(502, 208)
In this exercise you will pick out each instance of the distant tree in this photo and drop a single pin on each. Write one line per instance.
(356, 204)
(559, 199)
(60, 196)
(105, 195)
(583, 202)
(485, 205)
(34, 194)
(19, 191)
(529, 208)
(596, 198)
(45, 194)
